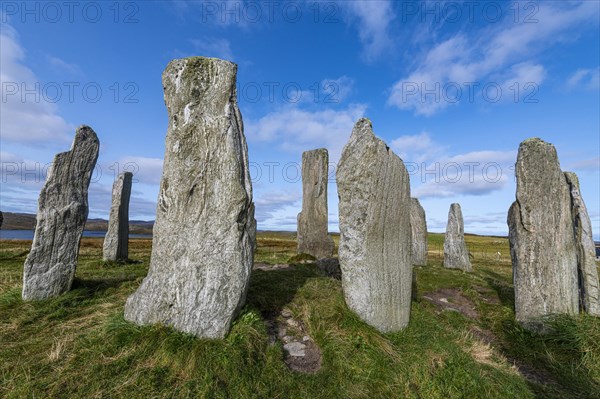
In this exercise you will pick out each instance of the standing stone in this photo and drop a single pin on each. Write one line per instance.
(589, 292)
(542, 243)
(117, 236)
(204, 235)
(418, 225)
(62, 212)
(456, 255)
(312, 221)
(375, 241)
(1, 219)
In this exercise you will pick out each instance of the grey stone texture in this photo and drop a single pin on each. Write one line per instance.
(542, 241)
(313, 238)
(62, 213)
(418, 224)
(587, 271)
(375, 242)
(456, 255)
(116, 240)
(205, 232)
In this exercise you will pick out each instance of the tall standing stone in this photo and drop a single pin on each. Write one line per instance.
(375, 242)
(116, 241)
(62, 212)
(589, 292)
(418, 225)
(456, 255)
(313, 238)
(204, 235)
(542, 243)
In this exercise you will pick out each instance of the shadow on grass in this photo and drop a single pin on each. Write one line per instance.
(94, 287)
(271, 291)
(11, 256)
(505, 291)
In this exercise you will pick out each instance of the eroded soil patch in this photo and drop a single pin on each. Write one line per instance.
(452, 299)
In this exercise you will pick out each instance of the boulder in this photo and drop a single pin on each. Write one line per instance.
(587, 271)
(49, 269)
(312, 221)
(456, 255)
(116, 240)
(418, 225)
(375, 241)
(205, 232)
(542, 242)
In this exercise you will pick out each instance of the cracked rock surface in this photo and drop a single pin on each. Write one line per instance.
(204, 235)
(62, 212)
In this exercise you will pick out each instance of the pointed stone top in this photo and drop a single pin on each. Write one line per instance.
(363, 126)
(84, 133)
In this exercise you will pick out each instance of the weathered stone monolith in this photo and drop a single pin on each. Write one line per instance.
(62, 212)
(313, 238)
(587, 271)
(375, 242)
(542, 243)
(456, 255)
(116, 241)
(204, 234)
(418, 224)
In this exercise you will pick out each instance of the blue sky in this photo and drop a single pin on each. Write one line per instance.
(452, 87)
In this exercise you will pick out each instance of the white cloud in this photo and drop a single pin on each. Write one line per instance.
(213, 47)
(373, 19)
(473, 173)
(277, 209)
(592, 164)
(337, 90)
(64, 66)
(416, 148)
(29, 119)
(296, 130)
(586, 78)
(483, 57)
(435, 173)
(145, 170)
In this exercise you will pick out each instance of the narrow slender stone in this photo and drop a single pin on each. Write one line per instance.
(418, 224)
(456, 255)
(313, 238)
(587, 271)
(116, 240)
(375, 241)
(542, 242)
(62, 212)
(204, 235)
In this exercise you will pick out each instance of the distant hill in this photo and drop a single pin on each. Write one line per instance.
(26, 221)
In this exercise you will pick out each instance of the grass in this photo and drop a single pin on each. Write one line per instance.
(79, 345)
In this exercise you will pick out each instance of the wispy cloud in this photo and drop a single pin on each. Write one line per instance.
(591, 164)
(213, 47)
(28, 120)
(372, 19)
(296, 130)
(435, 172)
(487, 54)
(588, 79)
(63, 66)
